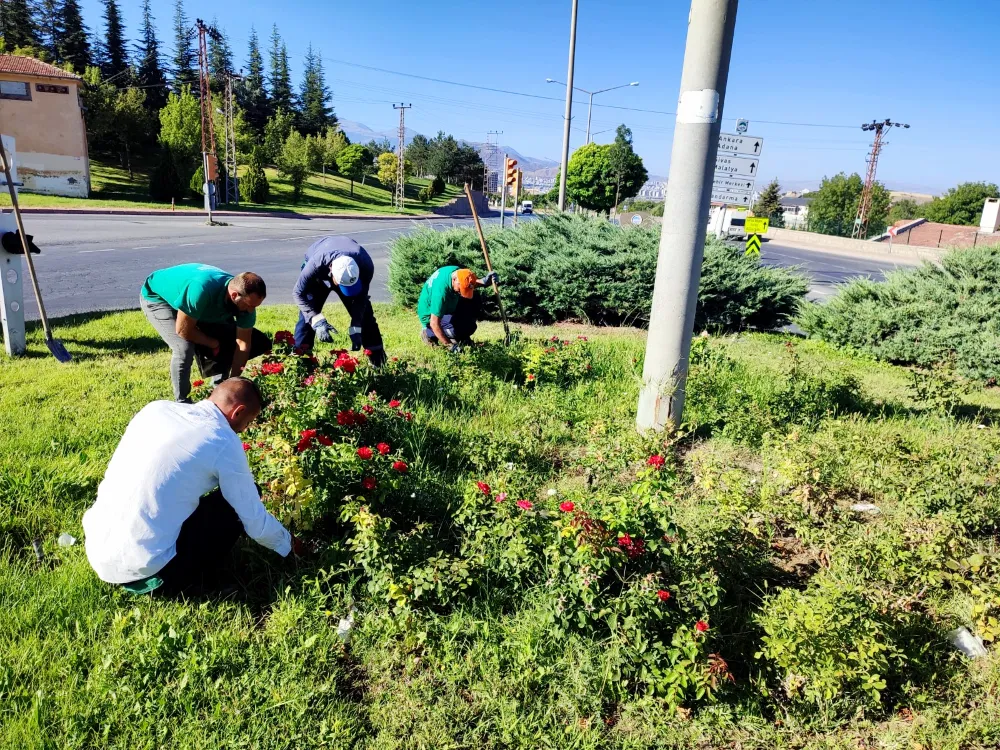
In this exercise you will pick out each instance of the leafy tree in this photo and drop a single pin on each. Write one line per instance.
(254, 186)
(164, 182)
(835, 205)
(962, 204)
(625, 165)
(98, 97)
(905, 208)
(220, 58)
(293, 162)
(419, 152)
(276, 132)
(180, 129)
(443, 154)
(332, 143)
(148, 72)
(769, 204)
(114, 55)
(352, 162)
(314, 97)
(591, 181)
(252, 94)
(184, 55)
(467, 166)
(131, 123)
(280, 80)
(74, 43)
(17, 24)
(388, 164)
(50, 27)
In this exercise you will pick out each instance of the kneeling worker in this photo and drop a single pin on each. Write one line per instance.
(447, 307)
(202, 310)
(342, 265)
(153, 525)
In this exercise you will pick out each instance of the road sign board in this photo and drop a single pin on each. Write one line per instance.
(757, 224)
(753, 244)
(735, 165)
(745, 145)
(742, 126)
(721, 182)
(636, 219)
(732, 199)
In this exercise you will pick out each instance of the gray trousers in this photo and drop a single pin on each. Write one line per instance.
(183, 352)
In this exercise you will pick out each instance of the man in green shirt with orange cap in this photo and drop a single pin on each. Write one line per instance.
(447, 306)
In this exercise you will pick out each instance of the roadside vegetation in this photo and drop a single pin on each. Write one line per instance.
(524, 569)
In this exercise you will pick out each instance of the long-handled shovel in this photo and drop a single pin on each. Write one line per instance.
(55, 345)
(489, 266)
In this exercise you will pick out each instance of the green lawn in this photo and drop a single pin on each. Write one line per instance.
(783, 436)
(111, 187)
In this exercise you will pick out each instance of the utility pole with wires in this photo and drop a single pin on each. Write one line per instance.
(232, 180)
(208, 157)
(400, 195)
(490, 168)
(860, 230)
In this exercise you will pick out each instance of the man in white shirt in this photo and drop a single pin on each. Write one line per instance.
(178, 494)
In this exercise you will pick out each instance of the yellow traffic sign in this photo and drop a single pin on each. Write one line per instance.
(757, 225)
(753, 245)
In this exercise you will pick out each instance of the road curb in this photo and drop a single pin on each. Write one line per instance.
(230, 214)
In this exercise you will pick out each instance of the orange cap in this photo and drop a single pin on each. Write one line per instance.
(466, 282)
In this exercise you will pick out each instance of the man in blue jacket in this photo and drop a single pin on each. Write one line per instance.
(341, 265)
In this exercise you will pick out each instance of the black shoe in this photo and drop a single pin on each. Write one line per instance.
(185, 400)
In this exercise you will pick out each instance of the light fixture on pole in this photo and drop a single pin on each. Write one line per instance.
(592, 94)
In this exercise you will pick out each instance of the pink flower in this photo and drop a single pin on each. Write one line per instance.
(384, 448)
(483, 487)
(198, 384)
(501, 497)
(663, 595)
(567, 507)
(400, 466)
(309, 380)
(246, 446)
(368, 352)
(394, 404)
(365, 453)
(701, 626)
(408, 417)
(368, 408)
(656, 461)
(369, 483)
(524, 504)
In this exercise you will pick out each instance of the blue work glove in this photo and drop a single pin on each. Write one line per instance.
(490, 278)
(324, 331)
(455, 348)
(355, 342)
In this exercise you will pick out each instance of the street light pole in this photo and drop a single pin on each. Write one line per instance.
(591, 94)
(569, 109)
(711, 27)
(590, 111)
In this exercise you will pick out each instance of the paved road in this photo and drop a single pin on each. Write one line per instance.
(99, 262)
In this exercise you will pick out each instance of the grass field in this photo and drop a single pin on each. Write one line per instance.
(775, 452)
(112, 188)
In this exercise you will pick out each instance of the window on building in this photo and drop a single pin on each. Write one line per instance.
(15, 90)
(48, 88)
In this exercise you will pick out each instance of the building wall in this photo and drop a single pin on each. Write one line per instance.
(50, 137)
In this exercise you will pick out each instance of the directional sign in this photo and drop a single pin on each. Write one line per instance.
(757, 224)
(744, 145)
(739, 166)
(753, 245)
(721, 182)
(732, 199)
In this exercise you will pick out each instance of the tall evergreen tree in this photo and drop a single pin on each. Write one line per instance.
(74, 46)
(147, 55)
(50, 27)
(17, 24)
(282, 97)
(252, 94)
(184, 61)
(768, 204)
(114, 55)
(315, 97)
(220, 58)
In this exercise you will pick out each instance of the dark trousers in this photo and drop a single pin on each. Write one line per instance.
(305, 336)
(203, 548)
(219, 366)
(459, 325)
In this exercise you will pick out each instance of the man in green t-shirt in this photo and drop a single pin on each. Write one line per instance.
(447, 307)
(201, 310)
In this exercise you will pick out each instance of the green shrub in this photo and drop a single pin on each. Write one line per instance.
(567, 267)
(254, 186)
(197, 183)
(436, 186)
(424, 194)
(164, 181)
(922, 316)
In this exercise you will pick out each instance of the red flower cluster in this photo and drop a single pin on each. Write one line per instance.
(631, 547)
(408, 417)
(701, 626)
(284, 337)
(350, 417)
(656, 461)
(368, 352)
(272, 368)
(567, 507)
(394, 404)
(664, 595)
(246, 446)
(309, 380)
(308, 437)
(384, 448)
(369, 483)
(368, 409)
(198, 384)
(365, 453)
(483, 487)
(524, 504)
(554, 339)
(400, 466)
(345, 362)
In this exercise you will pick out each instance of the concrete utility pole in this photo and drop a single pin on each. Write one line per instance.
(711, 26)
(569, 109)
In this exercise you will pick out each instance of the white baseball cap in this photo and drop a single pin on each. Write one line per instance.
(345, 274)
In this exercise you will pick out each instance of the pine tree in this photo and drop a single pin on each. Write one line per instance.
(74, 46)
(148, 71)
(282, 97)
(50, 27)
(768, 204)
(114, 56)
(252, 94)
(17, 25)
(220, 58)
(315, 97)
(183, 71)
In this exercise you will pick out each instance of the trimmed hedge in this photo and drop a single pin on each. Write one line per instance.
(932, 314)
(567, 267)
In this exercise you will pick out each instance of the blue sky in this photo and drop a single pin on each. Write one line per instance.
(925, 62)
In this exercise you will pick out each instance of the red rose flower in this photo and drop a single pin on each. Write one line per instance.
(524, 504)
(631, 547)
(368, 408)
(530, 377)
(567, 507)
(360, 418)
(400, 466)
(345, 418)
(284, 337)
(483, 487)
(324, 440)
(345, 362)
(408, 417)
(369, 483)
(384, 448)
(198, 384)
(656, 461)
(394, 404)
(368, 352)
(246, 446)
(303, 445)
(664, 595)
(308, 434)
(365, 453)
(701, 626)
(272, 368)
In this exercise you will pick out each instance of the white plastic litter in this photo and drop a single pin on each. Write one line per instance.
(969, 644)
(865, 508)
(66, 540)
(345, 626)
